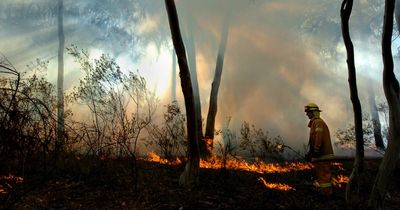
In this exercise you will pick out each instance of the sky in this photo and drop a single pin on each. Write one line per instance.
(280, 54)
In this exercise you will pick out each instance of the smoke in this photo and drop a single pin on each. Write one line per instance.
(270, 69)
(269, 73)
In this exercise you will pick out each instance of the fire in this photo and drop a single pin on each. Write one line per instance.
(9, 178)
(258, 167)
(340, 179)
(16, 179)
(277, 186)
(153, 157)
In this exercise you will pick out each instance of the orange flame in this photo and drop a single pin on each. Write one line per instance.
(277, 186)
(153, 157)
(259, 167)
(340, 180)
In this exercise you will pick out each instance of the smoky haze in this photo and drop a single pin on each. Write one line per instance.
(272, 66)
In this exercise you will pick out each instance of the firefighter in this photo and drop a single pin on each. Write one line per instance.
(320, 149)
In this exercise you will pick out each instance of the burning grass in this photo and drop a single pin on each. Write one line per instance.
(234, 164)
(258, 166)
(277, 186)
(240, 186)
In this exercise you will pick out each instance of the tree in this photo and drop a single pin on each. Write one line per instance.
(392, 90)
(354, 183)
(27, 117)
(189, 177)
(376, 123)
(191, 53)
(213, 106)
(322, 25)
(60, 82)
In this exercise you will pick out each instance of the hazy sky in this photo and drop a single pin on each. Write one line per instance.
(275, 61)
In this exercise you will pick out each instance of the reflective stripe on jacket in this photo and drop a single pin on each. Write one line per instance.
(320, 140)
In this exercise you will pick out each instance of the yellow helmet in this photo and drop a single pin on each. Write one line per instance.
(311, 107)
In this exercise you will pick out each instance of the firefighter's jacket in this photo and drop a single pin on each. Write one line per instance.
(320, 141)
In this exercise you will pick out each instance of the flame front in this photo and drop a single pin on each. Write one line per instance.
(277, 186)
(258, 167)
(153, 157)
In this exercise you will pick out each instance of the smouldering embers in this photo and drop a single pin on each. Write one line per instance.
(9, 179)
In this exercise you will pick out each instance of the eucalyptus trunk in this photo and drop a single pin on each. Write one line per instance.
(191, 52)
(353, 187)
(392, 90)
(376, 123)
(189, 177)
(213, 106)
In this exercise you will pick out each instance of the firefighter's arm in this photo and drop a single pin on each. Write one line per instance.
(319, 134)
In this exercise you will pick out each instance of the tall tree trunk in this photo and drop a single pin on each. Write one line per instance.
(352, 188)
(191, 52)
(397, 14)
(189, 177)
(392, 90)
(173, 96)
(213, 106)
(60, 82)
(376, 123)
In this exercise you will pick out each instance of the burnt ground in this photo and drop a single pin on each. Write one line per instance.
(109, 185)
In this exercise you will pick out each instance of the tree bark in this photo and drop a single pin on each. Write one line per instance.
(352, 188)
(397, 15)
(213, 106)
(189, 177)
(191, 51)
(392, 90)
(60, 82)
(376, 123)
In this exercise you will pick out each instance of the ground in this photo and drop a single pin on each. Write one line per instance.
(109, 185)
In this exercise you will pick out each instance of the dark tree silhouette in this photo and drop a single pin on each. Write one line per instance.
(355, 177)
(392, 90)
(375, 120)
(213, 106)
(189, 177)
